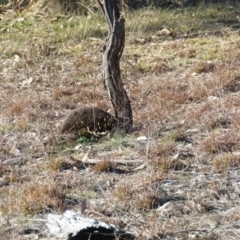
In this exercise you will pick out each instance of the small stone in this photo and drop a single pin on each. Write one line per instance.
(236, 153)
(194, 74)
(193, 130)
(142, 139)
(176, 156)
(27, 82)
(78, 147)
(189, 146)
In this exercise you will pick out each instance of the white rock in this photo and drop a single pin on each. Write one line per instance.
(193, 130)
(175, 157)
(236, 153)
(213, 98)
(27, 82)
(142, 138)
(79, 146)
(71, 222)
(75, 225)
(194, 74)
(189, 145)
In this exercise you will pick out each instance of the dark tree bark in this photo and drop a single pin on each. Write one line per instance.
(111, 73)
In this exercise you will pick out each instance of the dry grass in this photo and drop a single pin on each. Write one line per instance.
(32, 197)
(103, 166)
(181, 70)
(225, 162)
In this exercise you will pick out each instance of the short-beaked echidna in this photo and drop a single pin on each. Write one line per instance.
(88, 119)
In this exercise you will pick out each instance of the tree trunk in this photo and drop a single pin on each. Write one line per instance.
(111, 73)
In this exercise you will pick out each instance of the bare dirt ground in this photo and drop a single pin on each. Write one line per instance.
(181, 182)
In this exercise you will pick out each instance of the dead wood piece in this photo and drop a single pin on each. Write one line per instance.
(88, 120)
(111, 73)
(73, 226)
(119, 161)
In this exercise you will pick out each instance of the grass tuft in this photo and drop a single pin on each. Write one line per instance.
(33, 197)
(217, 143)
(103, 166)
(225, 162)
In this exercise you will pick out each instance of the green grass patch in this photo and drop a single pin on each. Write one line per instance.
(182, 20)
(117, 140)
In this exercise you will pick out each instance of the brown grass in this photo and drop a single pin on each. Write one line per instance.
(103, 166)
(203, 67)
(223, 142)
(225, 162)
(33, 197)
(185, 100)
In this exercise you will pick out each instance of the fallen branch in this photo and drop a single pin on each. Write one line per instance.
(118, 161)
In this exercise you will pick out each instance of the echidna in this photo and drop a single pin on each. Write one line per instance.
(88, 120)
